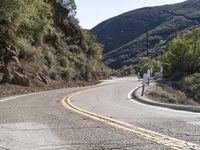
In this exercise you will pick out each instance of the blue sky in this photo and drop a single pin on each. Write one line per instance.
(92, 12)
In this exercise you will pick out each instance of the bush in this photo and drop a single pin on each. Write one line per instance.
(146, 63)
(1, 76)
(94, 49)
(29, 29)
(68, 74)
(25, 18)
(192, 86)
(183, 54)
(64, 62)
(127, 70)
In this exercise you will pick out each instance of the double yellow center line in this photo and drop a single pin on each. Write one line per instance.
(140, 132)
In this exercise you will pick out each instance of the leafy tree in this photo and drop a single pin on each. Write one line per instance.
(192, 86)
(193, 38)
(70, 5)
(73, 5)
(146, 63)
(183, 54)
(94, 49)
(175, 59)
(127, 70)
(29, 16)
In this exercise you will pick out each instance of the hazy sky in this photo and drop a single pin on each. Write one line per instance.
(92, 12)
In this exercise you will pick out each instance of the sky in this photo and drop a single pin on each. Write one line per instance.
(92, 12)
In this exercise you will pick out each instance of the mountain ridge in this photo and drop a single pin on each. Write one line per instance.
(124, 35)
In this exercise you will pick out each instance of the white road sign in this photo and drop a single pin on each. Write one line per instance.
(149, 73)
(145, 79)
(161, 69)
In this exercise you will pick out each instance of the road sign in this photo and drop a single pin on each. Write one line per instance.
(144, 82)
(161, 69)
(145, 79)
(139, 75)
(148, 76)
(149, 73)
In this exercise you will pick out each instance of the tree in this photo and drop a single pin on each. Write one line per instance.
(146, 63)
(183, 54)
(29, 16)
(93, 48)
(73, 5)
(70, 5)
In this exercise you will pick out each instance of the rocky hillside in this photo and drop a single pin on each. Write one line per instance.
(41, 43)
(124, 36)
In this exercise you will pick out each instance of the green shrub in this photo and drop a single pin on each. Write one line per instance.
(127, 70)
(146, 63)
(183, 54)
(25, 18)
(1, 76)
(192, 86)
(27, 52)
(29, 29)
(68, 74)
(64, 62)
(94, 49)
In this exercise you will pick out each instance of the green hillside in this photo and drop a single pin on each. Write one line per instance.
(124, 36)
(41, 42)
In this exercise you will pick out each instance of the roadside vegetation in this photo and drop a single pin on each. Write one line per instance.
(124, 35)
(40, 41)
(181, 64)
(124, 71)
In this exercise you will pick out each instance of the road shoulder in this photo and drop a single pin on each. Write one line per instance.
(136, 95)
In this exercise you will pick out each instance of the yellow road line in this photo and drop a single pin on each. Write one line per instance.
(141, 132)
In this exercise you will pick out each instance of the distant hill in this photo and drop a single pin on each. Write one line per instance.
(124, 35)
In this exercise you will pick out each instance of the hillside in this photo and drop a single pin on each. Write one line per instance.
(124, 35)
(40, 43)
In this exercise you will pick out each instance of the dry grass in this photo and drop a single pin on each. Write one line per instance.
(166, 94)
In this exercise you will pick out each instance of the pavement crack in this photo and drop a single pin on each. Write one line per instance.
(2, 148)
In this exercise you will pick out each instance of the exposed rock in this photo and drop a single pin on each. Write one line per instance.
(44, 78)
(20, 79)
(16, 60)
(41, 77)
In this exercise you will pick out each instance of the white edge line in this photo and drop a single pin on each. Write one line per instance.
(19, 96)
(155, 107)
(105, 82)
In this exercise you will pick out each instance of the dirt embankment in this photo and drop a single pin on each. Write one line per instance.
(10, 89)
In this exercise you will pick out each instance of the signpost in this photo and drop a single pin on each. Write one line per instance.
(151, 71)
(161, 71)
(144, 82)
(138, 75)
(148, 76)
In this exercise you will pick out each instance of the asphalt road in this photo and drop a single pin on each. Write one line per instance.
(39, 121)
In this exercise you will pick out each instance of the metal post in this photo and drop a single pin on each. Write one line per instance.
(143, 90)
(144, 82)
(151, 72)
(147, 41)
(138, 75)
(161, 71)
(148, 76)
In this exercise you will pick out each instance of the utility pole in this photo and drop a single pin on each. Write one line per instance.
(147, 41)
(176, 30)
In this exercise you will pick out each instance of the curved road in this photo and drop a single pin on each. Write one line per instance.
(39, 121)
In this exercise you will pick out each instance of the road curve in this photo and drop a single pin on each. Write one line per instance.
(111, 101)
(39, 121)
